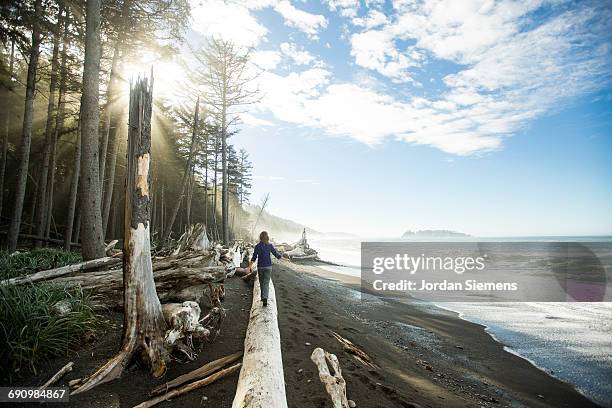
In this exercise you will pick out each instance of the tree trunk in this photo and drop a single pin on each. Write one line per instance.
(90, 194)
(59, 123)
(215, 185)
(26, 133)
(48, 150)
(224, 179)
(188, 169)
(7, 126)
(74, 186)
(143, 324)
(206, 184)
(112, 166)
(109, 111)
(189, 197)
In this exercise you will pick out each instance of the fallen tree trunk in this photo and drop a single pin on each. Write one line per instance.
(261, 382)
(107, 286)
(62, 271)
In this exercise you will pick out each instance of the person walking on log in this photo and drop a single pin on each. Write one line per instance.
(264, 263)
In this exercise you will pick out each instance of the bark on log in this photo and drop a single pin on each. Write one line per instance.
(198, 373)
(334, 383)
(62, 271)
(261, 382)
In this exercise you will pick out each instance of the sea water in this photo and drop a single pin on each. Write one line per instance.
(571, 341)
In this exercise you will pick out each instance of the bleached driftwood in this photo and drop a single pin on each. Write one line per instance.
(65, 369)
(261, 383)
(107, 286)
(190, 387)
(194, 238)
(62, 271)
(183, 320)
(332, 379)
(108, 250)
(198, 373)
(355, 351)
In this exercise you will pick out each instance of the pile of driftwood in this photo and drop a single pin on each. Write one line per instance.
(301, 250)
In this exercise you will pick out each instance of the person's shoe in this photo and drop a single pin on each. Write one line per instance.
(265, 302)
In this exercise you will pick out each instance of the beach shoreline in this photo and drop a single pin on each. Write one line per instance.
(432, 357)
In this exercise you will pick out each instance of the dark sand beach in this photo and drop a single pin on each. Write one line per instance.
(427, 357)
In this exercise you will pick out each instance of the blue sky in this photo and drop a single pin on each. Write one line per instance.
(492, 118)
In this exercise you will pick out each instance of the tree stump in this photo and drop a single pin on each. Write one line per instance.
(143, 323)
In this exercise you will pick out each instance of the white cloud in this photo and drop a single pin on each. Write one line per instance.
(299, 56)
(510, 82)
(375, 50)
(253, 121)
(374, 19)
(267, 60)
(346, 8)
(230, 21)
(300, 19)
(509, 67)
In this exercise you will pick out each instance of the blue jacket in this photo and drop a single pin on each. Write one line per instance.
(262, 254)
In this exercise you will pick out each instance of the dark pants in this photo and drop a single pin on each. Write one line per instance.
(264, 274)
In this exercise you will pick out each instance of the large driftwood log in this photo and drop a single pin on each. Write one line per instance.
(62, 271)
(332, 379)
(198, 373)
(261, 383)
(107, 286)
(144, 325)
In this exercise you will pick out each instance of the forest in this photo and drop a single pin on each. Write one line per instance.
(65, 74)
(116, 133)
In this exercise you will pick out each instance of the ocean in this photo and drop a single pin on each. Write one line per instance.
(571, 341)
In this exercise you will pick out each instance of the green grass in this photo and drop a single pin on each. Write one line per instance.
(31, 329)
(33, 261)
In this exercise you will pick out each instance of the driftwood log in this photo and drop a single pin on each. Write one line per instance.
(191, 386)
(144, 325)
(330, 375)
(261, 382)
(197, 374)
(357, 353)
(183, 320)
(62, 271)
(106, 287)
(62, 371)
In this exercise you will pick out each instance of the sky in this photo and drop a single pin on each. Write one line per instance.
(492, 118)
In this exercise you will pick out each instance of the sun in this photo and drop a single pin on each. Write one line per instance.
(168, 75)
